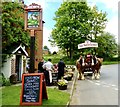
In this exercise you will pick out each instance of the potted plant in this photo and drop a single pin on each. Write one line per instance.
(71, 73)
(13, 78)
(68, 77)
(62, 84)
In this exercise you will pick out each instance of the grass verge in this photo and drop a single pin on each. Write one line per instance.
(56, 58)
(110, 62)
(11, 96)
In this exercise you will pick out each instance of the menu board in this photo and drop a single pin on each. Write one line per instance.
(31, 89)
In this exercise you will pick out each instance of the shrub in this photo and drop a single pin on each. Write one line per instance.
(1, 81)
(54, 52)
(4, 81)
(7, 82)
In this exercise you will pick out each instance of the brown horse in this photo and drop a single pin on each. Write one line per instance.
(81, 67)
(97, 68)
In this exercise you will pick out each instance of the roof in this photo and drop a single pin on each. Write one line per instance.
(20, 48)
(16, 49)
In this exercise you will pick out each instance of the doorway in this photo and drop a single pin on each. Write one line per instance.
(18, 66)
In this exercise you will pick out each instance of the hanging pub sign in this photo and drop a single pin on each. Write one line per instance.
(33, 17)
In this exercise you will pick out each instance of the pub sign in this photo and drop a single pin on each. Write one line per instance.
(33, 17)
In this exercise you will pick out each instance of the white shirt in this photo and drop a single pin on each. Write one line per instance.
(48, 65)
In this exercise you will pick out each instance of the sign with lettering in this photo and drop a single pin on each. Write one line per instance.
(31, 89)
(87, 44)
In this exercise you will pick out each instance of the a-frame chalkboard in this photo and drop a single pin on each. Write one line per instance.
(31, 93)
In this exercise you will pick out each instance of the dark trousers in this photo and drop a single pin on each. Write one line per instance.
(60, 75)
(47, 78)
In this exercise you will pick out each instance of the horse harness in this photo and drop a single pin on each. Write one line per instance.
(88, 61)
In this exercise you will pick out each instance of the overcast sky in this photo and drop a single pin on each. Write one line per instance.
(50, 6)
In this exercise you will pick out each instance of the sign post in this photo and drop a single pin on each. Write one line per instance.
(33, 22)
(32, 52)
(33, 84)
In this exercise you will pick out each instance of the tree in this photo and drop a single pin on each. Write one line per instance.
(97, 22)
(107, 46)
(119, 51)
(13, 26)
(75, 23)
(46, 48)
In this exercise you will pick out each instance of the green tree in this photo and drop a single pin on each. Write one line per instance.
(75, 23)
(107, 46)
(13, 26)
(119, 51)
(98, 22)
(46, 48)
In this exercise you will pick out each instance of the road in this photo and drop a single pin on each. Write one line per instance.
(98, 92)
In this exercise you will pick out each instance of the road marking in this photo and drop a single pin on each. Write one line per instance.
(115, 89)
(90, 81)
(106, 86)
(113, 85)
(103, 84)
(97, 83)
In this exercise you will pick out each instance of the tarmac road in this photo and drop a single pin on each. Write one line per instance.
(97, 92)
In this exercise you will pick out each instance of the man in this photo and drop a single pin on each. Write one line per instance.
(61, 66)
(88, 59)
(40, 66)
(48, 66)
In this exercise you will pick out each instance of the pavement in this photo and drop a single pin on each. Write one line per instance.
(71, 85)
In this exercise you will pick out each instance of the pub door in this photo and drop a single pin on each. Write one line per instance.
(18, 66)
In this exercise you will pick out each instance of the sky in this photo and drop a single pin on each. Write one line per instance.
(51, 6)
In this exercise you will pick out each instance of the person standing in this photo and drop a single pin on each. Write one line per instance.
(61, 66)
(48, 66)
(40, 66)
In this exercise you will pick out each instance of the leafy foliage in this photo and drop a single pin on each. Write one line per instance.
(107, 45)
(75, 23)
(13, 26)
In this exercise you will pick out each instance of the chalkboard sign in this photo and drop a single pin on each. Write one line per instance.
(31, 89)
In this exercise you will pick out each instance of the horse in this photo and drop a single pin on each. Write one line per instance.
(96, 68)
(82, 65)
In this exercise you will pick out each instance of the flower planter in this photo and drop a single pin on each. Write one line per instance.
(68, 78)
(13, 78)
(64, 87)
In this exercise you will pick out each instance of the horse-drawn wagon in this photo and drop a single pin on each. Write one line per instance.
(88, 63)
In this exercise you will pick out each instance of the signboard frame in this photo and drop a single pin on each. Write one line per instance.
(33, 8)
(40, 89)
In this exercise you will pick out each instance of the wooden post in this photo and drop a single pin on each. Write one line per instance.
(32, 52)
(34, 25)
